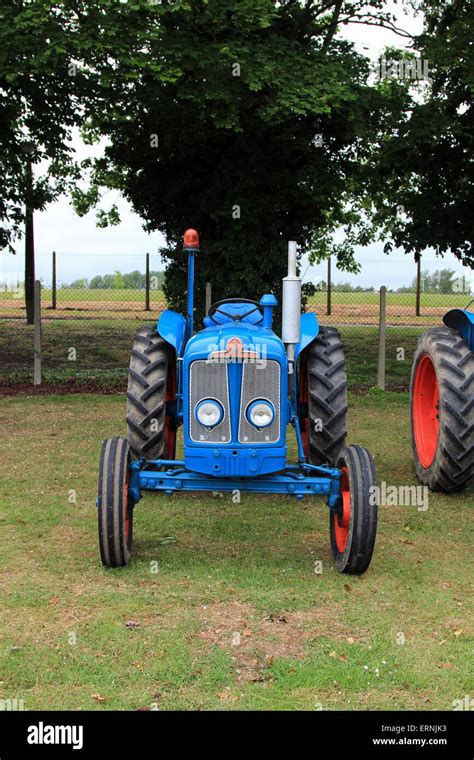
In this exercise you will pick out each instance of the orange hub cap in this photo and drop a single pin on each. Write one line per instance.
(426, 411)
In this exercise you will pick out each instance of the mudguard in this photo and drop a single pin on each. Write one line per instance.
(309, 328)
(461, 320)
(172, 328)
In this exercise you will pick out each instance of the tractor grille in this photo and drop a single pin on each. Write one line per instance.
(260, 382)
(208, 380)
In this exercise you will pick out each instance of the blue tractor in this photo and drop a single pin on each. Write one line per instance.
(442, 403)
(235, 386)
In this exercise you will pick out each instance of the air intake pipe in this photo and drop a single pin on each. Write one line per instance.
(291, 308)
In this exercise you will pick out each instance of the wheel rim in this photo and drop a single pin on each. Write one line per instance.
(303, 398)
(343, 519)
(425, 411)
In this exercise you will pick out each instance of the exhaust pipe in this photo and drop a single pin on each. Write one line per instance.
(291, 307)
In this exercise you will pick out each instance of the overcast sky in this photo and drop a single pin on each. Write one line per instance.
(84, 250)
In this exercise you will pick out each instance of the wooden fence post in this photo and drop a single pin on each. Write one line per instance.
(382, 338)
(418, 286)
(37, 334)
(329, 288)
(53, 284)
(147, 283)
(208, 296)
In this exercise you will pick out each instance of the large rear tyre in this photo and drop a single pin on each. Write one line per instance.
(151, 386)
(115, 508)
(353, 525)
(322, 397)
(442, 410)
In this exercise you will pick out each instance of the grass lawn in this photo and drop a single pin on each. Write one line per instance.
(234, 616)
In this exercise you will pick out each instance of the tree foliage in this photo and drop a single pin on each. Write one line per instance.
(40, 102)
(250, 121)
(135, 280)
(422, 182)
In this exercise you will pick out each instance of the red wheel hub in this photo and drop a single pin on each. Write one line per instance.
(343, 518)
(426, 411)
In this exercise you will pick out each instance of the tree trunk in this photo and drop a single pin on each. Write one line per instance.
(29, 258)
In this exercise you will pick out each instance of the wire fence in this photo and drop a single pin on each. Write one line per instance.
(88, 323)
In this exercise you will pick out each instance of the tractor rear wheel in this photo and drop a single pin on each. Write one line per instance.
(151, 385)
(442, 410)
(353, 525)
(115, 508)
(323, 397)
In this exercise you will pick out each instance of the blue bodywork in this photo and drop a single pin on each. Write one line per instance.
(230, 463)
(462, 320)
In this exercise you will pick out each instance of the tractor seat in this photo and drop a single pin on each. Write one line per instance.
(255, 318)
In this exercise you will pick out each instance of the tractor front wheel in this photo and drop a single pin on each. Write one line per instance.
(442, 410)
(115, 508)
(353, 524)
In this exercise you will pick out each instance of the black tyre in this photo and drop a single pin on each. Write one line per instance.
(323, 397)
(151, 384)
(442, 410)
(353, 526)
(115, 509)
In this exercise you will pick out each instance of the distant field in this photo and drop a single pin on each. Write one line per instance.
(87, 295)
(85, 303)
(363, 308)
(402, 299)
(347, 308)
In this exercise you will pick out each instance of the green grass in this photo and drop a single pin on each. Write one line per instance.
(449, 300)
(71, 295)
(306, 640)
(361, 352)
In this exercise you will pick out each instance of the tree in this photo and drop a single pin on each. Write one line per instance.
(40, 103)
(134, 280)
(97, 282)
(118, 280)
(421, 180)
(250, 121)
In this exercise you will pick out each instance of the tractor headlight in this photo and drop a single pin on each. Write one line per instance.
(260, 413)
(209, 413)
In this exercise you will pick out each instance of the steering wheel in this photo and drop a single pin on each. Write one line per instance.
(214, 309)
